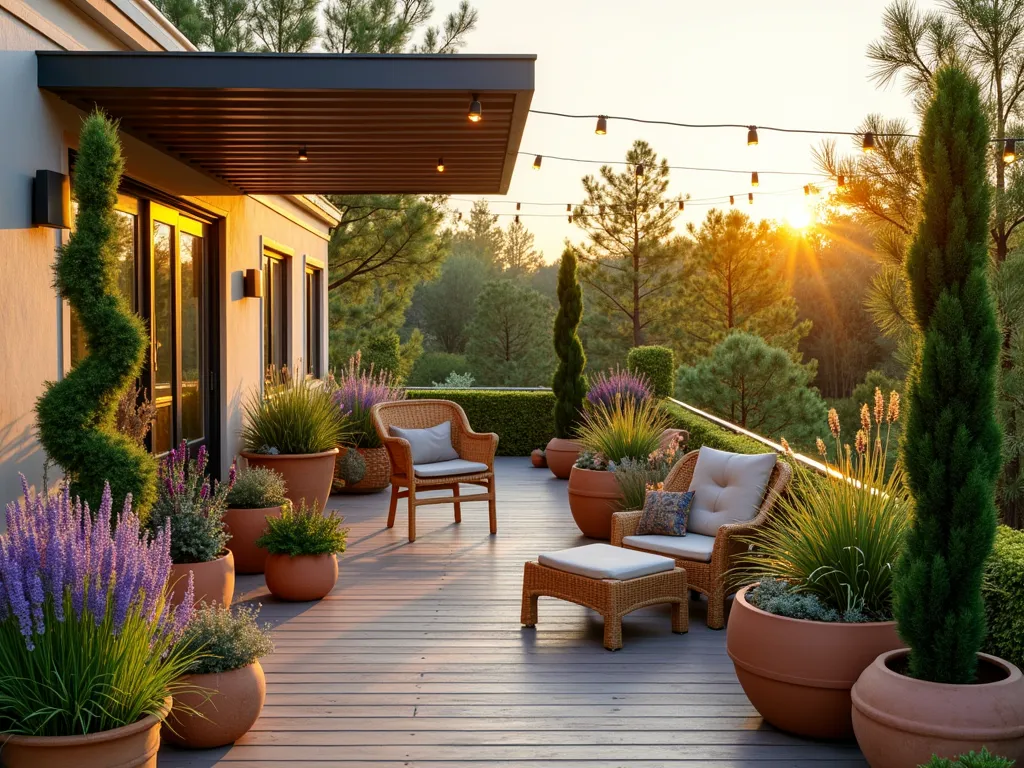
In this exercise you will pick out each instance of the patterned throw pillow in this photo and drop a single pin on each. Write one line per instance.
(665, 513)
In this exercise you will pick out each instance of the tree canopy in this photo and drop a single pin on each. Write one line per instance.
(509, 338)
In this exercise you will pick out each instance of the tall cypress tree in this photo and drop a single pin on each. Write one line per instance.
(569, 384)
(951, 447)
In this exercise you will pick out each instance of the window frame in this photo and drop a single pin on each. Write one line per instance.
(313, 318)
(273, 254)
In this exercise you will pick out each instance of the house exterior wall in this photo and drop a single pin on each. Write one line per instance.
(38, 130)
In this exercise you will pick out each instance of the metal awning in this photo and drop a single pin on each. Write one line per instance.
(368, 123)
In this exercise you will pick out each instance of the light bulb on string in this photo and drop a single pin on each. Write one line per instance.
(868, 144)
(519, 206)
(1009, 151)
(750, 197)
(475, 110)
(639, 170)
(568, 207)
(536, 162)
(807, 190)
(517, 218)
(752, 136)
(570, 218)
(754, 181)
(732, 200)
(440, 165)
(303, 155)
(841, 181)
(682, 205)
(602, 125)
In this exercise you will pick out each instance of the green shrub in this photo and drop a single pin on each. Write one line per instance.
(658, 364)
(436, 366)
(383, 353)
(983, 759)
(76, 416)
(223, 639)
(705, 432)
(569, 384)
(626, 429)
(257, 488)
(292, 415)
(523, 420)
(782, 599)
(303, 532)
(1004, 596)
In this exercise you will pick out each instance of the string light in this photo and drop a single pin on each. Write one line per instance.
(570, 218)
(519, 206)
(517, 218)
(750, 197)
(682, 205)
(752, 136)
(536, 162)
(1009, 151)
(303, 155)
(807, 189)
(476, 113)
(732, 200)
(753, 179)
(568, 207)
(841, 181)
(868, 145)
(639, 170)
(440, 165)
(602, 125)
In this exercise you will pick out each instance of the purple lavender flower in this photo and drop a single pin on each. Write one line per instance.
(357, 391)
(617, 383)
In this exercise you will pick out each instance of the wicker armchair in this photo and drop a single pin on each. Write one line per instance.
(471, 446)
(709, 577)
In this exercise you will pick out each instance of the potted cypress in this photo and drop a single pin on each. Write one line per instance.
(303, 548)
(569, 385)
(943, 696)
(256, 494)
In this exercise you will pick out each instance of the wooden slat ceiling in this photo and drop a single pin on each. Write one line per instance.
(364, 139)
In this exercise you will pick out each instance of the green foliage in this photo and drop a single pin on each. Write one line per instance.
(755, 386)
(443, 308)
(705, 432)
(257, 488)
(304, 532)
(951, 448)
(285, 26)
(508, 336)
(627, 428)
(1003, 591)
(522, 420)
(223, 639)
(351, 466)
(782, 599)
(381, 353)
(372, 26)
(76, 416)
(569, 383)
(436, 366)
(292, 415)
(518, 257)
(457, 381)
(637, 476)
(657, 364)
(983, 759)
(1008, 284)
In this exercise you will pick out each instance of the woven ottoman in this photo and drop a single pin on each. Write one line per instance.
(610, 580)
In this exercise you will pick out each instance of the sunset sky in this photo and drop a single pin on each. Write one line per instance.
(791, 63)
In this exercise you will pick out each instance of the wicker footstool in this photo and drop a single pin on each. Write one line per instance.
(610, 580)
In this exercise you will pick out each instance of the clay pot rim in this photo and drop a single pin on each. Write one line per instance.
(1013, 674)
(143, 724)
(562, 440)
(296, 557)
(205, 675)
(285, 456)
(741, 597)
(225, 556)
(255, 509)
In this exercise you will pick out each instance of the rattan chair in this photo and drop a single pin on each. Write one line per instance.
(709, 578)
(471, 446)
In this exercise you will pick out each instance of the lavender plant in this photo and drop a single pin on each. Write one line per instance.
(617, 384)
(357, 391)
(87, 639)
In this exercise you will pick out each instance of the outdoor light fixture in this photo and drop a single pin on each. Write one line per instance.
(752, 136)
(807, 189)
(568, 207)
(682, 206)
(303, 155)
(475, 110)
(517, 218)
(536, 162)
(869, 142)
(252, 284)
(570, 219)
(1009, 151)
(732, 200)
(440, 165)
(841, 181)
(51, 200)
(639, 170)
(602, 125)
(753, 179)
(750, 197)
(519, 206)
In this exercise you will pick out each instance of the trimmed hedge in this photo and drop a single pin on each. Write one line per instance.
(704, 432)
(658, 364)
(1003, 591)
(522, 420)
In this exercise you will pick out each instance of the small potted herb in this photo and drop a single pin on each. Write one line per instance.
(225, 688)
(303, 546)
(257, 493)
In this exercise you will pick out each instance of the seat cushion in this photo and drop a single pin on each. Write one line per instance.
(727, 488)
(429, 445)
(603, 561)
(445, 468)
(665, 513)
(692, 546)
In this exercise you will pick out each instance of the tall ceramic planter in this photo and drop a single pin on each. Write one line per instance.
(378, 473)
(901, 721)
(220, 714)
(594, 496)
(307, 476)
(302, 578)
(214, 582)
(561, 455)
(245, 526)
(131, 746)
(798, 674)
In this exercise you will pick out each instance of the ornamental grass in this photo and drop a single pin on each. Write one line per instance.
(626, 428)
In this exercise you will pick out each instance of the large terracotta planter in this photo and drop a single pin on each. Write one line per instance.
(245, 526)
(593, 497)
(798, 674)
(561, 455)
(131, 746)
(306, 475)
(901, 722)
(222, 713)
(214, 581)
(378, 473)
(303, 578)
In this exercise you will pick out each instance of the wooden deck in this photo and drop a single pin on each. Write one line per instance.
(417, 659)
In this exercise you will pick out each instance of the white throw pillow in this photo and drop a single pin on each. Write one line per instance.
(727, 488)
(429, 445)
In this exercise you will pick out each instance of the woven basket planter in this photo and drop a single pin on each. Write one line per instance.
(377, 477)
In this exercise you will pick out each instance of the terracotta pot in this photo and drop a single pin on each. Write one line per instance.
(798, 674)
(131, 746)
(377, 477)
(561, 455)
(245, 526)
(303, 578)
(593, 496)
(306, 475)
(538, 459)
(222, 713)
(902, 722)
(214, 581)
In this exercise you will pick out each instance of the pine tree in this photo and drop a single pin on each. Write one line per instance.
(951, 447)
(185, 15)
(518, 257)
(285, 26)
(569, 384)
(507, 338)
(225, 25)
(388, 26)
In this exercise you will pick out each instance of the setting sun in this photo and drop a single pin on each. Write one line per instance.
(799, 217)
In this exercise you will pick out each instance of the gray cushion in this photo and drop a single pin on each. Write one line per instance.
(429, 445)
(727, 488)
(692, 546)
(603, 561)
(445, 468)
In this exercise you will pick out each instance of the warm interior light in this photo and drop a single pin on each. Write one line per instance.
(303, 155)
(753, 179)
(440, 165)
(536, 162)
(476, 112)
(1009, 151)
(602, 125)
(868, 144)
(639, 170)
(752, 136)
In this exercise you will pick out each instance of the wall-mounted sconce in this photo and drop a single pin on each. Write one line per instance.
(252, 284)
(51, 200)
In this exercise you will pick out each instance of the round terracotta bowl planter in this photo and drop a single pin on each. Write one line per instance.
(901, 721)
(131, 746)
(594, 496)
(245, 526)
(378, 473)
(561, 455)
(303, 578)
(222, 713)
(798, 674)
(214, 581)
(538, 459)
(306, 475)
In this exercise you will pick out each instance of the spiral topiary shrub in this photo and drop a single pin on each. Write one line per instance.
(77, 416)
(569, 384)
(657, 364)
